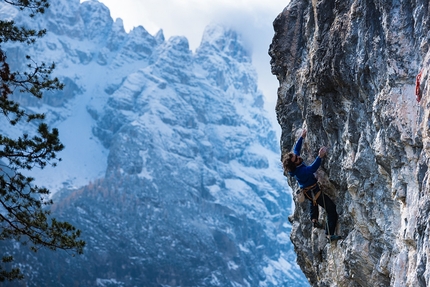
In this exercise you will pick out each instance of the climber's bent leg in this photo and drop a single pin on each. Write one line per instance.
(330, 208)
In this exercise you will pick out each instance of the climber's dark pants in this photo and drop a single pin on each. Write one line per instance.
(325, 202)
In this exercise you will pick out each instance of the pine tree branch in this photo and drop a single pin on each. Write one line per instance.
(23, 216)
(36, 6)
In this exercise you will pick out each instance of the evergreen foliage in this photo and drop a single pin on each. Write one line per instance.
(24, 216)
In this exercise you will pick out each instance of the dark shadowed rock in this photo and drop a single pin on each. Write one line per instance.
(347, 73)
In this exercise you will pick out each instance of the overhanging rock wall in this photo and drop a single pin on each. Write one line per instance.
(346, 71)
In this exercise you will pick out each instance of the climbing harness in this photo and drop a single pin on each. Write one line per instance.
(417, 86)
(314, 196)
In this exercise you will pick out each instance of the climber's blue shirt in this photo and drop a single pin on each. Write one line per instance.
(305, 174)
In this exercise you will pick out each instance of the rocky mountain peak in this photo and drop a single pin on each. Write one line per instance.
(96, 18)
(170, 168)
(159, 37)
(225, 40)
(64, 19)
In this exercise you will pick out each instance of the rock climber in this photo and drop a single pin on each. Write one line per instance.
(293, 164)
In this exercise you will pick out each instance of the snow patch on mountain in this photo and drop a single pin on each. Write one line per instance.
(169, 155)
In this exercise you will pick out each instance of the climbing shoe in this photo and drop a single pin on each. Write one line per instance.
(317, 225)
(334, 237)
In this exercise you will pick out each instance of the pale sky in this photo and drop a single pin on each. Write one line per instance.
(251, 18)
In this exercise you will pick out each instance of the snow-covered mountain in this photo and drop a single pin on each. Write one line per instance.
(171, 167)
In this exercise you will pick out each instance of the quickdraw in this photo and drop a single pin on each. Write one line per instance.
(417, 87)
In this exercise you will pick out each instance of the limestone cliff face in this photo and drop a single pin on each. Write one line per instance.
(347, 72)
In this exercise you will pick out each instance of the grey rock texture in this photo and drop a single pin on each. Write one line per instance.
(347, 72)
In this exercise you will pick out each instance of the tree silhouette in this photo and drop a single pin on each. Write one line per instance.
(24, 216)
